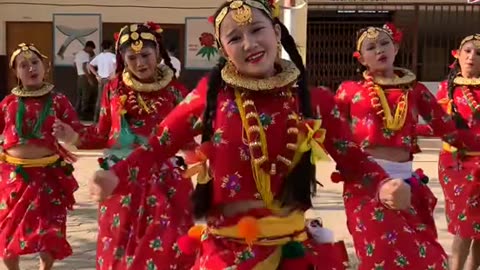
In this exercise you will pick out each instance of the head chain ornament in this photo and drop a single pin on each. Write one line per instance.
(242, 12)
(130, 33)
(373, 33)
(27, 50)
(473, 38)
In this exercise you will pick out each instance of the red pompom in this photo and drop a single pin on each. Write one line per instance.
(356, 54)
(336, 177)
(116, 36)
(211, 19)
(188, 245)
(298, 263)
(476, 174)
(206, 148)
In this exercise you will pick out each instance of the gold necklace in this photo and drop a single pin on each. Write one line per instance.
(286, 77)
(459, 80)
(21, 91)
(407, 78)
(164, 76)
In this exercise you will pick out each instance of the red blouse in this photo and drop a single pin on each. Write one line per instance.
(60, 108)
(464, 103)
(230, 158)
(117, 100)
(368, 127)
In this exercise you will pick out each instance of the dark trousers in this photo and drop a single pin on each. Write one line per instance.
(98, 103)
(85, 94)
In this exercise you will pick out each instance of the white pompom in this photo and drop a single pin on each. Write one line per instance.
(319, 234)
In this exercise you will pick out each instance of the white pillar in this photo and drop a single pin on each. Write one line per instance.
(3, 38)
(295, 14)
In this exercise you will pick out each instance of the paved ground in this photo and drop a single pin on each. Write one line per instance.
(328, 205)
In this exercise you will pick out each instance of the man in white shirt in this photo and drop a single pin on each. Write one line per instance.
(174, 60)
(84, 81)
(103, 67)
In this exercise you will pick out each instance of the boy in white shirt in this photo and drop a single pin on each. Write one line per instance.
(103, 67)
(84, 81)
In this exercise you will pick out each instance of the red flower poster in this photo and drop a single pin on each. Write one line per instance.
(201, 48)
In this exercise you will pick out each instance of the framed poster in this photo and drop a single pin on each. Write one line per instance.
(201, 52)
(71, 32)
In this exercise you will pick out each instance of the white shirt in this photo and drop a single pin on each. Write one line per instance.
(106, 63)
(80, 58)
(176, 64)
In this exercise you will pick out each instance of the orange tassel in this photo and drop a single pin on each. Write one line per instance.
(248, 229)
(196, 232)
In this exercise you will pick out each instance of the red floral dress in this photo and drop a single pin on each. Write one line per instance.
(457, 169)
(230, 162)
(34, 200)
(383, 238)
(139, 226)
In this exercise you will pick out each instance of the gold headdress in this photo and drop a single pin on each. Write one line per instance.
(474, 38)
(373, 32)
(27, 50)
(130, 33)
(243, 12)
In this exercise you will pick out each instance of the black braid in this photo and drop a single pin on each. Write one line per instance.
(300, 184)
(459, 121)
(291, 47)
(203, 194)
(163, 53)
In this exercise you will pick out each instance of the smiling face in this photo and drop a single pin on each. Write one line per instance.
(252, 48)
(469, 60)
(29, 69)
(142, 65)
(378, 54)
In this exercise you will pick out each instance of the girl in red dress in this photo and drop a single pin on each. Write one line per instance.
(36, 181)
(139, 226)
(383, 110)
(261, 138)
(459, 95)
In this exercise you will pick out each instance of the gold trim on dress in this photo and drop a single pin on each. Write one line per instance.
(288, 76)
(164, 77)
(459, 80)
(21, 91)
(406, 77)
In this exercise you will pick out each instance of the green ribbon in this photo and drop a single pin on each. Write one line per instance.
(20, 116)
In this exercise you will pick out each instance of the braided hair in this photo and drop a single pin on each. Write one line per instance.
(300, 183)
(459, 121)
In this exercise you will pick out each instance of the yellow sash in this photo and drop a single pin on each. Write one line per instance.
(447, 147)
(29, 163)
(273, 230)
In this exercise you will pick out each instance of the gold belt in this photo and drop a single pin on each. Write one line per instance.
(29, 163)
